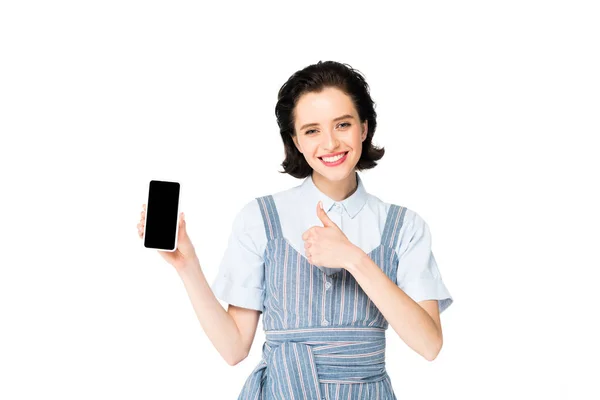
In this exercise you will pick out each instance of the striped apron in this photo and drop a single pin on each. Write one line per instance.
(324, 338)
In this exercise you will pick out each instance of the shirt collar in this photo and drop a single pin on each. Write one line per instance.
(352, 204)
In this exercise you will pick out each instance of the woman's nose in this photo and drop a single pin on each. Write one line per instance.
(330, 141)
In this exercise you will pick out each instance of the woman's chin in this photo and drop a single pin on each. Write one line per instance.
(333, 173)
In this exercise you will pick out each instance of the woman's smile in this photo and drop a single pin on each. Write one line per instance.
(335, 160)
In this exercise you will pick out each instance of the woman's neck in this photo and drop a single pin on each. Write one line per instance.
(336, 190)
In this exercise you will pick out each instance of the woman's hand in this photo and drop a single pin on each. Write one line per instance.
(327, 246)
(185, 252)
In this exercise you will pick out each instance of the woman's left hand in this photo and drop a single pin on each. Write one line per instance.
(327, 246)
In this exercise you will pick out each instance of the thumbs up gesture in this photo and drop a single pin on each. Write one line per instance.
(327, 246)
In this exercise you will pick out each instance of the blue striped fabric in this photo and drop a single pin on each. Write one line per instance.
(325, 339)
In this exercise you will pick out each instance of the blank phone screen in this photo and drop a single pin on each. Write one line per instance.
(161, 215)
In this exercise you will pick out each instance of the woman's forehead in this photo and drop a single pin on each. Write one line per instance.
(325, 105)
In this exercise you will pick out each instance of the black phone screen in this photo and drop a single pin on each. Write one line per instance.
(162, 215)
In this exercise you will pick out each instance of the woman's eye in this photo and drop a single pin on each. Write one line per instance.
(343, 125)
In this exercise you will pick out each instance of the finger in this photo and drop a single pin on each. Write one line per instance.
(182, 222)
(327, 222)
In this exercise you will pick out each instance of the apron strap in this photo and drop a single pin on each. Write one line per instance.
(393, 223)
(270, 217)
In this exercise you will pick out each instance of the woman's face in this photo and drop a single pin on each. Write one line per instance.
(327, 125)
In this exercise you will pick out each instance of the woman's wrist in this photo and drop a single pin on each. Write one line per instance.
(190, 266)
(354, 258)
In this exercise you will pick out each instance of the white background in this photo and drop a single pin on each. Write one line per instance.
(488, 111)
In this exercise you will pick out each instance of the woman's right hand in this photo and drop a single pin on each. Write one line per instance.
(185, 252)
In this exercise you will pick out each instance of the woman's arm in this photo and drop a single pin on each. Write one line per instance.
(412, 321)
(231, 332)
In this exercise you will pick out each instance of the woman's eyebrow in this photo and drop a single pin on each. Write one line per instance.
(335, 119)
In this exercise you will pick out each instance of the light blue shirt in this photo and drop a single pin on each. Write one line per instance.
(361, 216)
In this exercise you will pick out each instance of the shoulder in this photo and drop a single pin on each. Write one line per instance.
(409, 216)
(250, 213)
(248, 220)
(411, 221)
(287, 201)
(249, 217)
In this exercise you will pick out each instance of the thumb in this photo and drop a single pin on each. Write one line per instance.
(327, 222)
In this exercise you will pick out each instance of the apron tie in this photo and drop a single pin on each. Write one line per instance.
(297, 361)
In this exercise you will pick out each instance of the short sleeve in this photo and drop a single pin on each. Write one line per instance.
(418, 273)
(240, 279)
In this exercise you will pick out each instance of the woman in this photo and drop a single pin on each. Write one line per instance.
(327, 264)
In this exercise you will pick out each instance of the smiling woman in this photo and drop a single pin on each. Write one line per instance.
(335, 140)
(326, 98)
(328, 265)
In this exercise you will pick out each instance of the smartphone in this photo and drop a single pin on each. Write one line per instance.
(162, 215)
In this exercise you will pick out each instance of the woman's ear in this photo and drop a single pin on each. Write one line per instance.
(365, 130)
(295, 139)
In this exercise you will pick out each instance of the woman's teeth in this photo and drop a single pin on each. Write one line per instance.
(333, 159)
